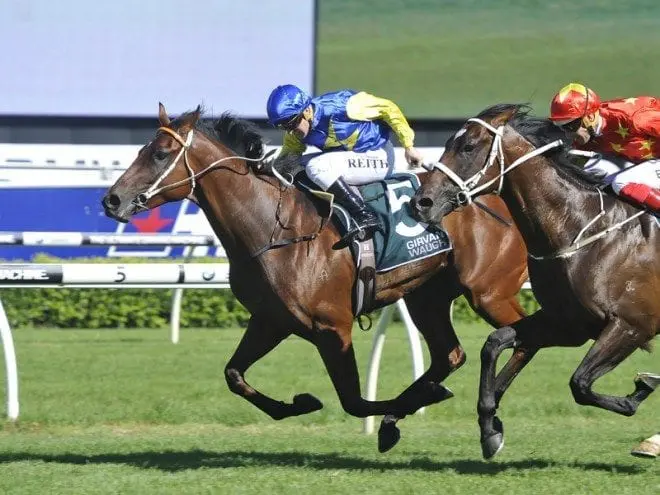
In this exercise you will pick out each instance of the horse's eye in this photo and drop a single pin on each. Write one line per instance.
(161, 155)
(468, 147)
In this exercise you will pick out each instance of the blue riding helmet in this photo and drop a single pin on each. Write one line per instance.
(285, 103)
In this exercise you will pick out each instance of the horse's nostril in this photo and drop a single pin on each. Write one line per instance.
(425, 202)
(112, 201)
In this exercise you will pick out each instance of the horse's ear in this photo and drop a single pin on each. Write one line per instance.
(162, 115)
(504, 117)
(196, 114)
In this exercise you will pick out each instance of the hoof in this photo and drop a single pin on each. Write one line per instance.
(649, 448)
(492, 445)
(306, 403)
(388, 434)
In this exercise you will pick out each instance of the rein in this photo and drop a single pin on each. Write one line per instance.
(142, 199)
(273, 244)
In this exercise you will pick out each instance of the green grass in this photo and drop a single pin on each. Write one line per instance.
(128, 412)
(454, 58)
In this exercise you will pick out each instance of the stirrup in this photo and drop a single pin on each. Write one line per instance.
(359, 233)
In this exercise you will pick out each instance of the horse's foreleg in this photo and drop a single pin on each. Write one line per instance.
(615, 343)
(528, 336)
(515, 364)
(445, 351)
(259, 339)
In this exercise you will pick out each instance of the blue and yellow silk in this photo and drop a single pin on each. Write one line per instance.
(350, 121)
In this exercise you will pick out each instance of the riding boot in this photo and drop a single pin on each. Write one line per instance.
(643, 194)
(365, 219)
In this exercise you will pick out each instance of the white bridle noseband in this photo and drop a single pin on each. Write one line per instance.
(142, 199)
(469, 187)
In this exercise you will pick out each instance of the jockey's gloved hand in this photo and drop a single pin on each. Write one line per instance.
(414, 157)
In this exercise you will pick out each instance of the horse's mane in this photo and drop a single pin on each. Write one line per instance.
(241, 136)
(539, 132)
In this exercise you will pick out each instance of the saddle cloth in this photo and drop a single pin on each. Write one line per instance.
(404, 240)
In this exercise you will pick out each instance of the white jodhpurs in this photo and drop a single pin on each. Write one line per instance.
(355, 168)
(642, 173)
(622, 173)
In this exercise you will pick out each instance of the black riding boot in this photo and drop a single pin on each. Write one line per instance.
(366, 220)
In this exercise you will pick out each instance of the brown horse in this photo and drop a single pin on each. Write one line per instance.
(284, 270)
(591, 284)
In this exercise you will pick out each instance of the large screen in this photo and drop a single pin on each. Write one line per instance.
(453, 58)
(120, 58)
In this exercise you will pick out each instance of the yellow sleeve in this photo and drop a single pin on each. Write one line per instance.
(292, 145)
(363, 106)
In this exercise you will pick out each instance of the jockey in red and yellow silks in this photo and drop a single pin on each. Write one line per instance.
(628, 127)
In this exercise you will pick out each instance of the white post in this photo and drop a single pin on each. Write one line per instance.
(177, 300)
(175, 315)
(377, 351)
(10, 365)
(415, 342)
(374, 362)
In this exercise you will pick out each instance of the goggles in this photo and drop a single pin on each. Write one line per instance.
(290, 124)
(570, 125)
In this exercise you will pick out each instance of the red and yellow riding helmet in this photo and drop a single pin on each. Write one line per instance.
(574, 101)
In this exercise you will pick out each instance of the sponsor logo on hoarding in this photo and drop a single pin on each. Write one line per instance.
(23, 274)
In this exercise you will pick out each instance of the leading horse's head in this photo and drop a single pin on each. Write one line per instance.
(467, 161)
(170, 167)
(159, 164)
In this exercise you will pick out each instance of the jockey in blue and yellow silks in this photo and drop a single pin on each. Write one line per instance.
(352, 130)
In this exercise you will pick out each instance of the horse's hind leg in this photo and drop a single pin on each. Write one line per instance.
(259, 339)
(615, 343)
(339, 358)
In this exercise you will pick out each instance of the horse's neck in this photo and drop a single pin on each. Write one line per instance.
(548, 209)
(241, 209)
(248, 212)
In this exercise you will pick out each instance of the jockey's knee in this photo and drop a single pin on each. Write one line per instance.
(321, 171)
(646, 174)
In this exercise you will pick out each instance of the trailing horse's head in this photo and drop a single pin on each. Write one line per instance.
(466, 164)
(161, 172)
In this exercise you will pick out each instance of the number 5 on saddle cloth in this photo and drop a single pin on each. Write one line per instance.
(403, 240)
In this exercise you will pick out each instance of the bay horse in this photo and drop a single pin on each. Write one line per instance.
(604, 287)
(284, 270)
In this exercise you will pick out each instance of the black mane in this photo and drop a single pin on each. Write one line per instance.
(241, 136)
(539, 132)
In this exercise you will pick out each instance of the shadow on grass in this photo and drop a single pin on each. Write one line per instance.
(173, 461)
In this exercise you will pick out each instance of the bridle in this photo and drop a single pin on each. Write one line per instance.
(469, 187)
(142, 199)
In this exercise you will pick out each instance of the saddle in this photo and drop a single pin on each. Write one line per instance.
(403, 240)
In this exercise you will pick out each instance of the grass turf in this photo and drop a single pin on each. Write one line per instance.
(128, 412)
